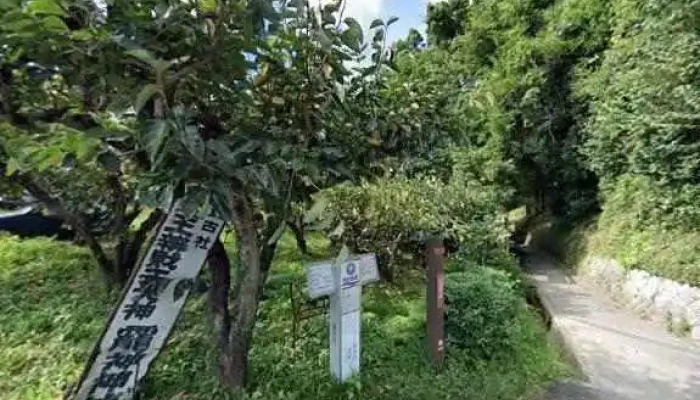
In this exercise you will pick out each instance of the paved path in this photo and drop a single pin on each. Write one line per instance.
(623, 357)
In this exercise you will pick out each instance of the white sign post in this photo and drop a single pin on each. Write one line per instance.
(149, 307)
(343, 283)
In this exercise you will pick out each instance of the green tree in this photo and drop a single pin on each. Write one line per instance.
(642, 134)
(446, 20)
(235, 107)
(56, 139)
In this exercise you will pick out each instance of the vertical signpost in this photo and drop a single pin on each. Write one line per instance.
(147, 311)
(435, 264)
(343, 282)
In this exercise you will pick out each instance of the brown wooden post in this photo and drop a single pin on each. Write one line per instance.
(435, 265)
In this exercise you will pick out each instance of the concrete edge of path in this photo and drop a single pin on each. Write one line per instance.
(617, 355)
(557, 331)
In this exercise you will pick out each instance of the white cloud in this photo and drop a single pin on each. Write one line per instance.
(365, 11)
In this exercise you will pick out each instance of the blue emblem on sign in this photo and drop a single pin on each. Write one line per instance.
(352, 277)
(351, 269)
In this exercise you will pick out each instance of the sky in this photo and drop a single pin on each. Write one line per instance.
(411, 14)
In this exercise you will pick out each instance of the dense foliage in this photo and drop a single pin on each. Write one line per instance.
(256, 109)
(483, 307)
(51, 316)
(643, 131)
(393, 217)
(595, 105)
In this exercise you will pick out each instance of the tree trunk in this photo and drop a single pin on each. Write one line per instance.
(220, 268)
(297, 228)
(74, 220)
(129, 255)
(386, 268)
(254, 264)
(247, 291)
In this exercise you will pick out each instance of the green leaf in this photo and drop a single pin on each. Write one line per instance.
(144, 56)
(49, 157)
(218, 148)
(222, 198)
(353, 36)
(329, 19)
(45, 7)
(8, 4)
(207, 5)
(325, 41)
(15, 54)
(163, 65)
(144, 95)
(391, 21)
(182, 288)
(54, 24)
(338, 231)
(376, 23)
(352, 23)
(193, 142)
(154, 139)
(332, 7)
(12, 167)
(378, 36)
(241, 151)
(316, 210)
(262, 174)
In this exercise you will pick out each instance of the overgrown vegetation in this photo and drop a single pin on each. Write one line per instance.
(483, 311)
(52, 316)
(241, 108)
(595, 104)
(394, 217)
(282, 114)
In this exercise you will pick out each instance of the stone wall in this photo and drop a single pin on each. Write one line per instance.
(677, 304)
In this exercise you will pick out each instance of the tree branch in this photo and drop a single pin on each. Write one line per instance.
(78, 224)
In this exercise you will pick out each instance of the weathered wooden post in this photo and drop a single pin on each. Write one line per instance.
(435, 265)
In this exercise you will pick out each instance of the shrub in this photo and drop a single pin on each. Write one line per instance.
(52, 315)
(643, 130)
(482, 311)
(393, 216)
(639, 227)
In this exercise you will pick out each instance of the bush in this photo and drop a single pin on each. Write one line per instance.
(643, 130)
(395, 215)
(52, 315)
(483, 305)
(639, 228)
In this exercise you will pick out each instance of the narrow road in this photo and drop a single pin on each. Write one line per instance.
(622, 356)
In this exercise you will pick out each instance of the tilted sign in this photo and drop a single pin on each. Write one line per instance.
(156, 293)
(343, 282)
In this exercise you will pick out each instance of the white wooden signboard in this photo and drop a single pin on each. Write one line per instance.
(146, 314)
(343, 283)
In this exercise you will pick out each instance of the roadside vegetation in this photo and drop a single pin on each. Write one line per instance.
(52, 316)
(292, 122)
(595, 104)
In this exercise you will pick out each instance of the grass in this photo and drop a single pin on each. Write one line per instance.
(669, 253)
(54, 305)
